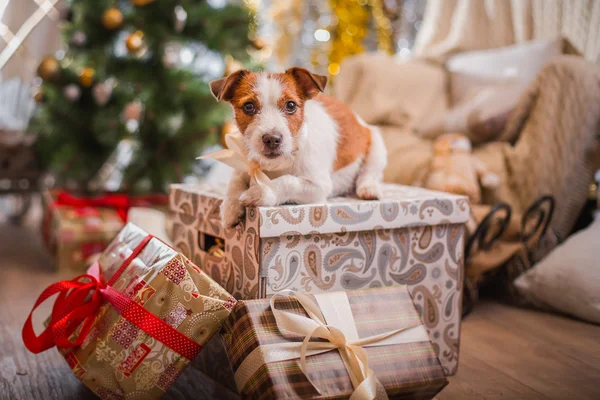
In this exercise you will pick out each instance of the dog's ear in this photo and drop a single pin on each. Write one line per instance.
(311, 84)
(224, 88)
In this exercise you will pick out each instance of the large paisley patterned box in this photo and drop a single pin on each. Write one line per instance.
(411, 236)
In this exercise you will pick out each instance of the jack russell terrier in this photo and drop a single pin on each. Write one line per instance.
(312, 146)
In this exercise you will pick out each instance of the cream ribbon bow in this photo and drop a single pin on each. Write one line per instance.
(340, 335)
(235, 157)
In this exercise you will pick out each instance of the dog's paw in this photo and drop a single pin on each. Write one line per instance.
(368, 191)
(259, 195)
(232, 213)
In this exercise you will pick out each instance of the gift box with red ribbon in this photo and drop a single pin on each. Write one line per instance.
(75, 228)
(131, 325)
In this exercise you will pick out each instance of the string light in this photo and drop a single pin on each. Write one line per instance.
(322, 35)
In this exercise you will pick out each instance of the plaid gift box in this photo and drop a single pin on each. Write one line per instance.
(408, 368)
(131, 325)
(412, 236)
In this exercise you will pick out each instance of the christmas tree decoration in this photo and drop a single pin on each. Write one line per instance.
(112, 19)
(79, 39)
(140, 3)
(259, 44)
(39, 96)
(232, 65)
(49, 69)
(133, 111)
(175, 123)
(102, 92)
(383, 25)
(171, 56)
(72, 92)
(111, 174)
(86, 77)
(288, 16)
(180, 18)
(349, 33)
(146, 88)
(320, 34)
(135, 41)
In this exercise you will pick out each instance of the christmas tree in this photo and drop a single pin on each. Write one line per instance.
(131, 89)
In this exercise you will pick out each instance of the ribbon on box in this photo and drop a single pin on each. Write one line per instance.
(78, 303)
(330, 318)
(121, 203)
(235, 157)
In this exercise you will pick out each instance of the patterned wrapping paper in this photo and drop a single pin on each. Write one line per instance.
(412, 236)
(409, 370)
(118, 360)
(73, 236)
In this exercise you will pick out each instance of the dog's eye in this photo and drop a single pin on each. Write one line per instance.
(249, 108)
(290, 107)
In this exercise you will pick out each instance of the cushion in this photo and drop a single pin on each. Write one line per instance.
(386, 91)
(568, 279)
(485, 87)
(520, 62)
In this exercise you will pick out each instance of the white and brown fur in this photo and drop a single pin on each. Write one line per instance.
(323, 149)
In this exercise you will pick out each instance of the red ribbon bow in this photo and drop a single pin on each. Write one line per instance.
(78, 303)
(121, 203)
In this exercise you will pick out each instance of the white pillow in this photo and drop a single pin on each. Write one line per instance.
(474, 70)
(485, 88)
(521, 60)
(568, 279)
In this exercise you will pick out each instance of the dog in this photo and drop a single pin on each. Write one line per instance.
(311, 145)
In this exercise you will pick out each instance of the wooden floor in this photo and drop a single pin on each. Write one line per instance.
(505, 352)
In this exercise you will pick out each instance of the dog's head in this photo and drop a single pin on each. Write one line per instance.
(269, 109)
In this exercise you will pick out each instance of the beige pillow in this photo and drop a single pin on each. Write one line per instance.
(485, 87)
(521, 62)
(568, 279)
(386, 91)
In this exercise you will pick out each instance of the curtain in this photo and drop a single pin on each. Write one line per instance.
(28, 32)
(452, 26)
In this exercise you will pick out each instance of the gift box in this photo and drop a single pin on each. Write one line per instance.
(147, 313)
(263, 341)
(411, 236)
(77, 228)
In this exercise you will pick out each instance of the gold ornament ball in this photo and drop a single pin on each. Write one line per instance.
(48, 69)
(86, 77)
(39, 96)
(141, 2)
(259, 44)
(112, 19)
(135, 41)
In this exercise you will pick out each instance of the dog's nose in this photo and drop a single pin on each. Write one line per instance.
(271, 140)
